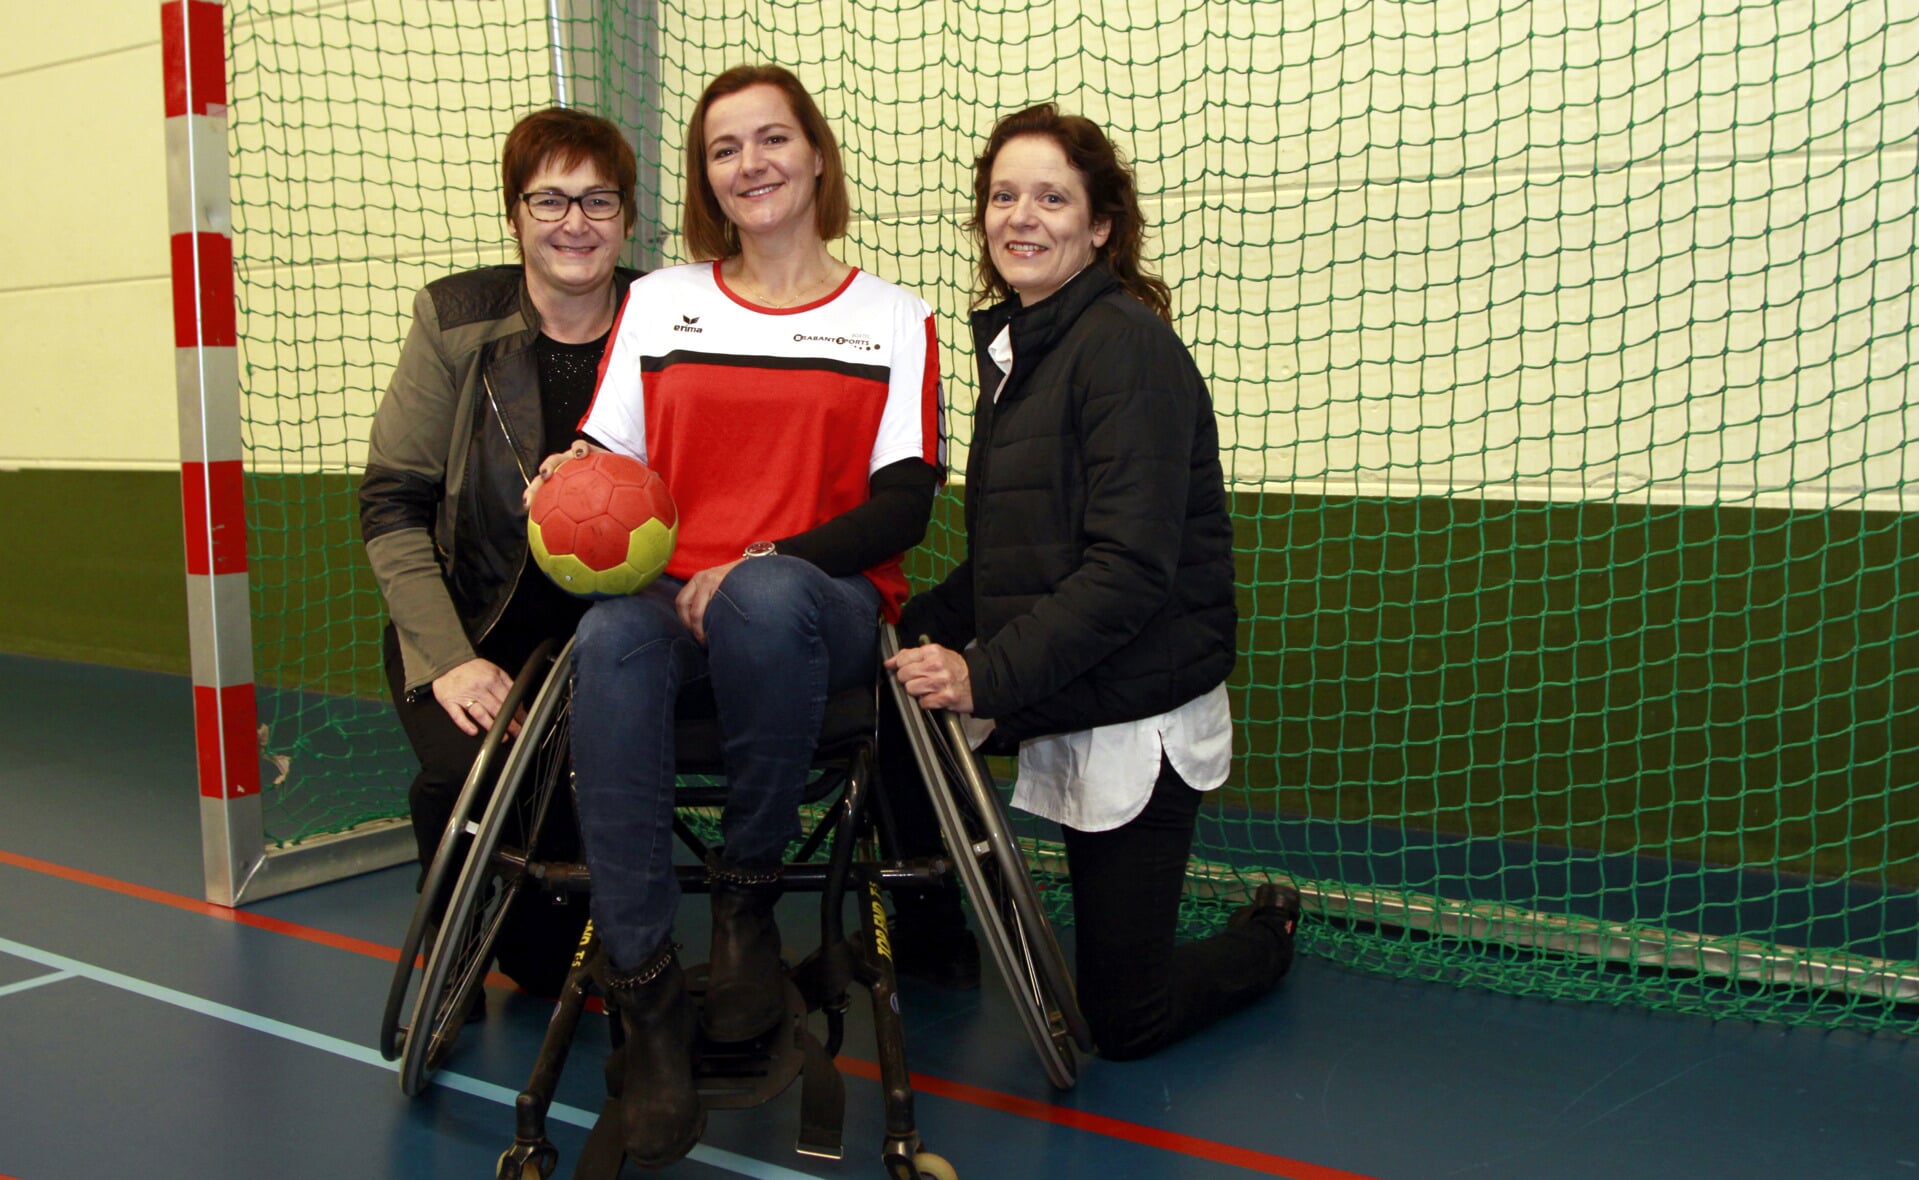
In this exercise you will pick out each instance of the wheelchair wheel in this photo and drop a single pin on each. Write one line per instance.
(933, 1167)
(423, 931)
(490, 879)
(993, 873)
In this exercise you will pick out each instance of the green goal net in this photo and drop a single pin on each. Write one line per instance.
(1564, 368)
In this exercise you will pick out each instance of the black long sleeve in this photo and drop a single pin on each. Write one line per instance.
(891, 521)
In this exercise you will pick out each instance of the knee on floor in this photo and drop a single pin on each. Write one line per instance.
(1127, 1032)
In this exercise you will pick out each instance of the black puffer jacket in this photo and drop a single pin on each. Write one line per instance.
(1099, 571)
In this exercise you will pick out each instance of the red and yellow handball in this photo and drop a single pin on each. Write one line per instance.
(602, 526)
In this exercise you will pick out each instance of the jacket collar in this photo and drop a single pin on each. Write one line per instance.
(1036, 329)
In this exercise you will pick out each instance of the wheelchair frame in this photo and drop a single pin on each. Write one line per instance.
(487, 875)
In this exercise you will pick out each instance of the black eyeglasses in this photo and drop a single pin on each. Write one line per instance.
(598, 205)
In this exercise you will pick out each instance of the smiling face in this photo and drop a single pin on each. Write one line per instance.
(759, 164)
(1039, 223)
(574, 255)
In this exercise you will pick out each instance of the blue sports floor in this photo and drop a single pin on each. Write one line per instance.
(146, 1034)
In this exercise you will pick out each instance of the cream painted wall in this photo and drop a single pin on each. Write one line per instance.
(86, 330)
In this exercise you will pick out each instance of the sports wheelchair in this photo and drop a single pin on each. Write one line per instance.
(489, 859)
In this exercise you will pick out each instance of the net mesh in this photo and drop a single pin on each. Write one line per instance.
(1563, 369)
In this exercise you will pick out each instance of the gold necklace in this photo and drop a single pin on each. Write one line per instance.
(802, 294)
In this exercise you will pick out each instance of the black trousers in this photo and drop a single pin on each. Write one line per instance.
(536, 944)
(1140, 988)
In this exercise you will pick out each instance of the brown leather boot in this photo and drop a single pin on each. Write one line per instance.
(745, 987)
(660, 1111)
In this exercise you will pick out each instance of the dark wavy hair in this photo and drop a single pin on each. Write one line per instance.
(1110, 189)
(568, 138)
(707, 232)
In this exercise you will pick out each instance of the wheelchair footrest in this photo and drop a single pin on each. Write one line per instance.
(749, 1073)
(738, 1076)
(735, 1077)
(822, 1101)
(605, 1151)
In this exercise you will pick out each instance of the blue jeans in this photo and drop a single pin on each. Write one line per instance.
(780, 636)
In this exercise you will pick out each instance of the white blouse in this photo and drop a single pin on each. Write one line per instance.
(1095, 780)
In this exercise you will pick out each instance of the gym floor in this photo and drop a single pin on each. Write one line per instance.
(146, 1033)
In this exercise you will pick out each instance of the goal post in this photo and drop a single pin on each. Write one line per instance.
(260, 515)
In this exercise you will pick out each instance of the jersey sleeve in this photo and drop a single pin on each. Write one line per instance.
(911, 425)
(617, 417)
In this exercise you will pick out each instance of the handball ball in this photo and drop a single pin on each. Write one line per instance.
(602, 526)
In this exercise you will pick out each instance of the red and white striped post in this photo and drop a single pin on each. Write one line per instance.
(199, 218)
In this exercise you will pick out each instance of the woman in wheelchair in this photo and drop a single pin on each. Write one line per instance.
(497, 369)
(1097, 593)
(791, 404)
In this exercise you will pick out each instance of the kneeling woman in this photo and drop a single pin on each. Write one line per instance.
(1097, 591)
(791, 403)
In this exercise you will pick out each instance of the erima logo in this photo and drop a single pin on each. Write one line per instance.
(688, 323)
(862, 342)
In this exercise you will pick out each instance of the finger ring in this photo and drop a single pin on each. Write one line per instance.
(468, 704)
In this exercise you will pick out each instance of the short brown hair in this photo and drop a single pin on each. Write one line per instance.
(568, 138)
(1111, 192)
(707, 232)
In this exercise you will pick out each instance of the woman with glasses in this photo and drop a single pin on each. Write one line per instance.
(497, 370)
(791, 404)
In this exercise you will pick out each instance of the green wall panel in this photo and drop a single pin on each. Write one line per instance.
(95, 568)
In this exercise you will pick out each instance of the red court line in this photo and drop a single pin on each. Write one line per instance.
(358, 946)
(327, 938)
(1078, 1120)
(1099, 1124)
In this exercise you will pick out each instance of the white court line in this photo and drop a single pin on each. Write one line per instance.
(37, 981)
(65, 968)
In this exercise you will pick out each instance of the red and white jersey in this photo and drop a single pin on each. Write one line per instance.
(767, 422)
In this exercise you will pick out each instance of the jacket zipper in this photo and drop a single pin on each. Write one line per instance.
(512, 445)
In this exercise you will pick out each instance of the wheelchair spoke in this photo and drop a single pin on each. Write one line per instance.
(492, 878)
(993, 873)
(423, 932)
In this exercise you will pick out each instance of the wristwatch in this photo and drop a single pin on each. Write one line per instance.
(760, 549)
